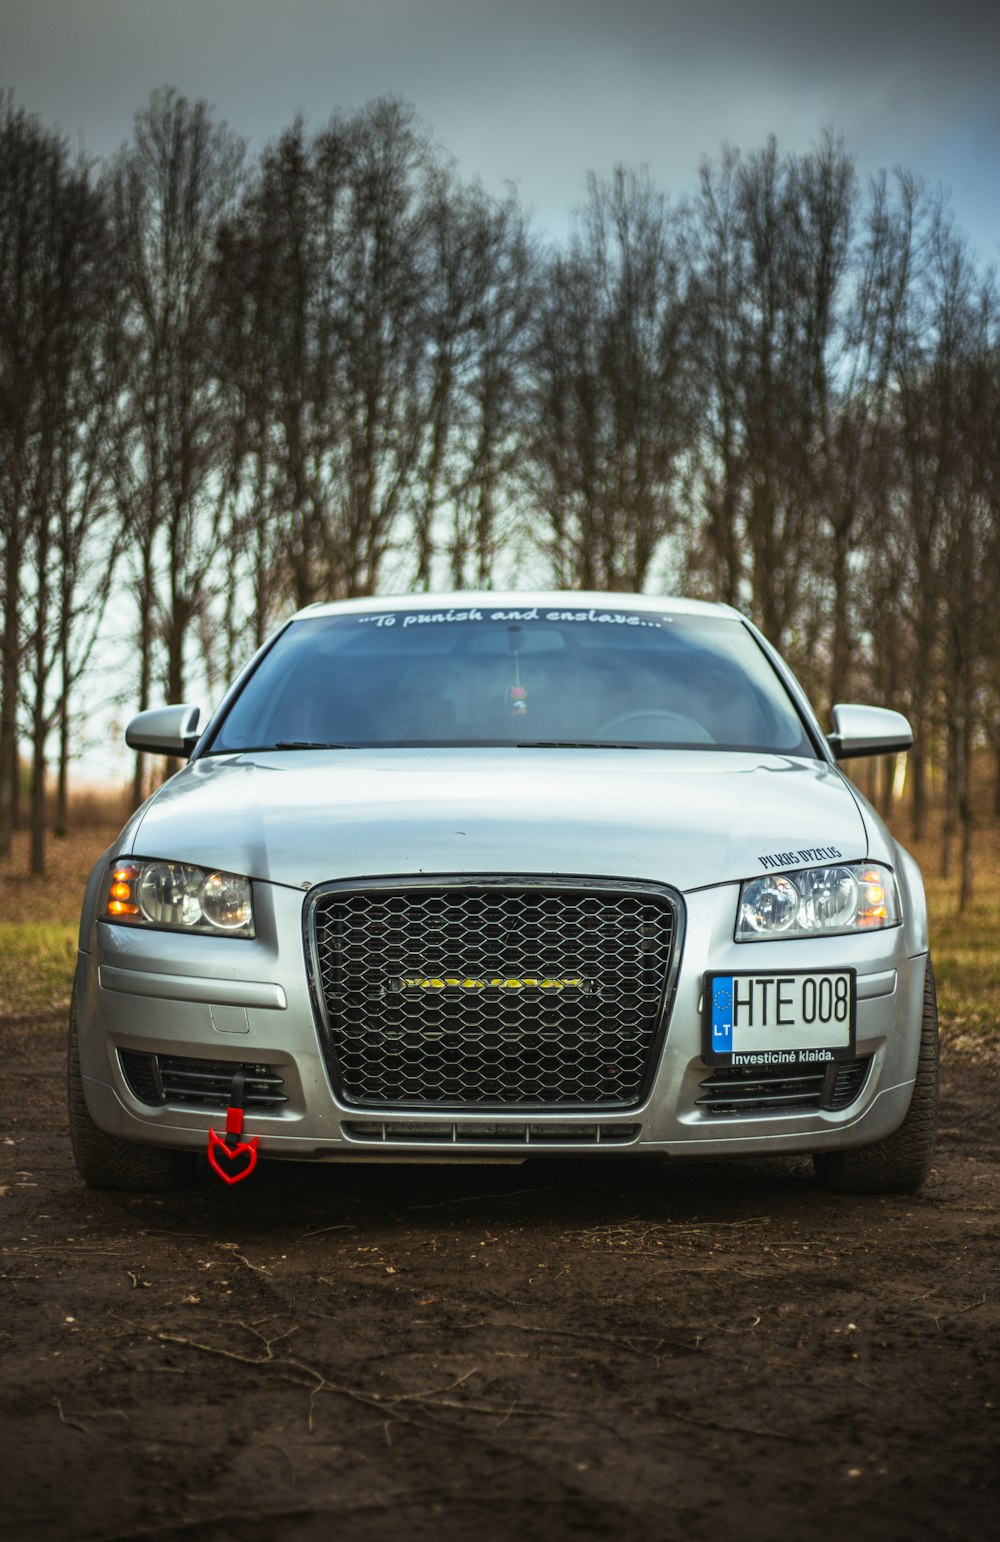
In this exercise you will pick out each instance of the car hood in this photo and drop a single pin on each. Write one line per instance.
(687, 818)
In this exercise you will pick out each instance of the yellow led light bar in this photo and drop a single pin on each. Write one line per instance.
(493, 982)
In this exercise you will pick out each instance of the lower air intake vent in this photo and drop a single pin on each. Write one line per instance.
(382, 1132)
(848, 1080)
(734, 1092)
(195, 1083)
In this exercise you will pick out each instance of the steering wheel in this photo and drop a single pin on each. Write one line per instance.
(656, 724)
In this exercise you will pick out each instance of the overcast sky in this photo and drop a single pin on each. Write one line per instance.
(538, 92)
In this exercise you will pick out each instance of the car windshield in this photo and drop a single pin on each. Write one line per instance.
(533, 677)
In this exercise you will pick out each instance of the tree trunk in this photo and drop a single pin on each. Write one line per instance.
(38, 801)
(951, 800)
(918, 782)
(888, 775)
(9, 685)
(62, 786)
(840, 667)
(145, 664)
(967, 817)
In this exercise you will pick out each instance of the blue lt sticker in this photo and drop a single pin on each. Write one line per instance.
(722, 1014)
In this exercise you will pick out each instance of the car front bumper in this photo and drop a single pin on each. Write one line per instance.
(229, 1001)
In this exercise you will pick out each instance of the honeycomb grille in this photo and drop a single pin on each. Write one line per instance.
(480, 997)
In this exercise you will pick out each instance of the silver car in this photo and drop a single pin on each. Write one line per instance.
(494, 876)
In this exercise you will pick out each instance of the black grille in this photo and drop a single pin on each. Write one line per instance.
(492, 996)
(196, 1083)
(846, 1082)
(529, 1134)
(141, 1074)
(735, 1091)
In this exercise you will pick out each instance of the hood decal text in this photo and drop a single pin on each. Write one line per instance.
(796, 858)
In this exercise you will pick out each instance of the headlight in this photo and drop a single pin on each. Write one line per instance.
(180, 896)
(819, 902)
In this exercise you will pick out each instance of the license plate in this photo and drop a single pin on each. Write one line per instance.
(794, 1018)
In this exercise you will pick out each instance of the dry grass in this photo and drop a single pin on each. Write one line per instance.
(966, 944)
(95, 807)
(57, 896)
(39, 919)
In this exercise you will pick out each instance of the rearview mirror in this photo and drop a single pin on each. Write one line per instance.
(164, 731)
(868, 731)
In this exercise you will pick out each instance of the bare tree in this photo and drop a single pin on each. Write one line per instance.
(972, 540)
(170, 188)
(325, 283)
(58, 567)
(766, 255)
(842, 394)
(610, 398)
(480, 310)
(858, 469)
(714, 253)
(32, 163)
(928, 343)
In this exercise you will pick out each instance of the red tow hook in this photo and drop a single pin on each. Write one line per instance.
(239, 1156)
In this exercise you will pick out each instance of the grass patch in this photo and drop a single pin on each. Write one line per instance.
(965, 946)
(37, 961)
(967, 957)
(40, 918)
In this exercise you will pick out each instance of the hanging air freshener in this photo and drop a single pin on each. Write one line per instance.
(517, 696)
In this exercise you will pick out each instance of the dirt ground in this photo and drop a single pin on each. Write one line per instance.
(550, 1350)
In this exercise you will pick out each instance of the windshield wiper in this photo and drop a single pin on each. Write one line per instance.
(574, 744)
(311, 744)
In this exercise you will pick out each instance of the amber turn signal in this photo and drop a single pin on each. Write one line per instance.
(120, 899)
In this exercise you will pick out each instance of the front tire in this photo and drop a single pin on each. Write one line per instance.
(899, 1163)
(107, 1161)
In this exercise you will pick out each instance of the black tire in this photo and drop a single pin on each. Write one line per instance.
(899, 1163)
(107, 1161)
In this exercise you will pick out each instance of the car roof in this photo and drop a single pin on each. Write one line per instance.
(490, 600)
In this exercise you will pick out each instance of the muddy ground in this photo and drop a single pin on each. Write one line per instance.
(550, 1350)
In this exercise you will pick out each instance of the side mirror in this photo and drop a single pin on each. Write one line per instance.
(868, 731)
(164, 731)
